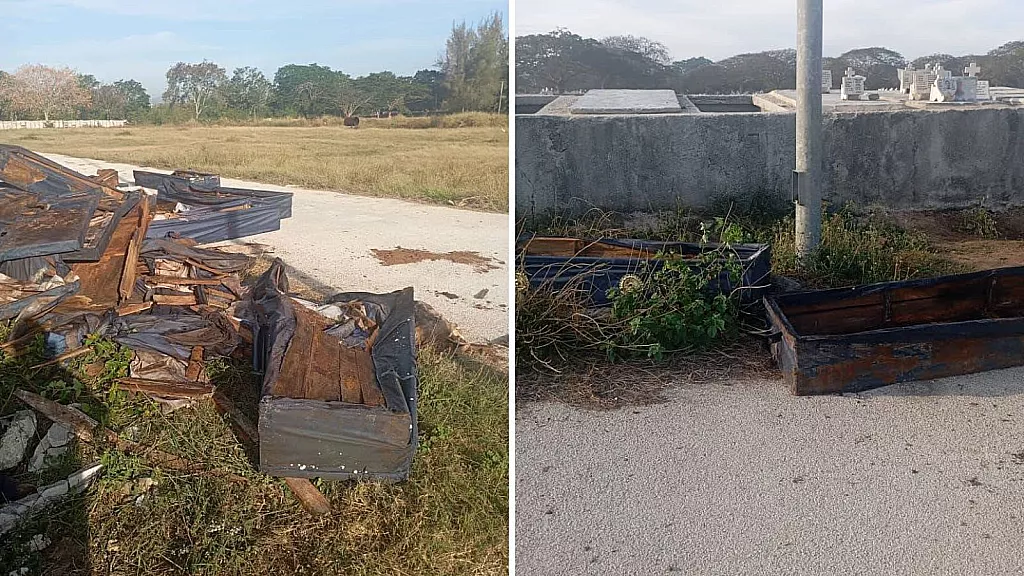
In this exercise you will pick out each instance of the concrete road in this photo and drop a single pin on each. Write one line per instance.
(742, 478)
(330, 236)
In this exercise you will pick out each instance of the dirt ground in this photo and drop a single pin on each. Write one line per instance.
(945, 229)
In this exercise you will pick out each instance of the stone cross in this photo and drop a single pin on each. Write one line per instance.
(973, 70)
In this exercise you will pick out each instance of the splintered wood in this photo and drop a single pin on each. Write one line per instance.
(317, 366)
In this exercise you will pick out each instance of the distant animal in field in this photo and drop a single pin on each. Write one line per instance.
(352, 121)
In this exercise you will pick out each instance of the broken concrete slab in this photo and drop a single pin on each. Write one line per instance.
(51, 447)
(627, 102)
(15, 512)
(18, 431)
(53, 491)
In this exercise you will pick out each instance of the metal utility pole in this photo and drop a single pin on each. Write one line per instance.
(807, 180)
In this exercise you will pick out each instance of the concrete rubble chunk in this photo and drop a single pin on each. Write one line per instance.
(8, 520)
(16, 435)
(50, 447)
(38, 543)
(84, 477)
(58, 435)
(53, 491)
(45, 458)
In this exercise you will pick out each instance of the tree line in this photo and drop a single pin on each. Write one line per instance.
(470, 75)
(563, 62)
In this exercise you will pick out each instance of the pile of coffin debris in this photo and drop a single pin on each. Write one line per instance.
(76, 258)
(83, 255)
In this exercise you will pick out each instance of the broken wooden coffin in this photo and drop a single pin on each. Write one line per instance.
(195, 205)
(46, 209)
(855, 339)
(338, 398)
(596, 266)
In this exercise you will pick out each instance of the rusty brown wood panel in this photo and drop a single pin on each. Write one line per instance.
(938, 328)
(292, 381)
(102, 279)
(868, 366)
(322, 376)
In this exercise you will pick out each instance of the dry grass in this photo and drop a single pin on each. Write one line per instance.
(466, 167)
(602, 385)
(449, 518)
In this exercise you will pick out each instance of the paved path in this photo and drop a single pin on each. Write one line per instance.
(745, 479)
(330, 236)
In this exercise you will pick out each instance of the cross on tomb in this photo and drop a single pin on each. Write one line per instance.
(850, 72)
(973, 70)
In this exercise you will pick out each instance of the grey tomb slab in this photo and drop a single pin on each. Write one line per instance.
(627, 102)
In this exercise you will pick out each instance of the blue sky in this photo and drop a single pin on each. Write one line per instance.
(114, 39)
(718, 29)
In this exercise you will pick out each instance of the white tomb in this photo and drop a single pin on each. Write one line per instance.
(826, 81)
(921, 82)
(984, 91)
(853, 86)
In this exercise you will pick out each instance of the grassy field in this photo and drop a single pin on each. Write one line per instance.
(449, 518)
(397, 158)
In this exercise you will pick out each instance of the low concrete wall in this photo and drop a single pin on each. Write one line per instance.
(905, 159)
(26, 124)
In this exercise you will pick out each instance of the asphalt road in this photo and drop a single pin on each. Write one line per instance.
(742, 478)
(330, 236)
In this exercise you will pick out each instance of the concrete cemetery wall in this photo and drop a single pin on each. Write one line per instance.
(905, 159)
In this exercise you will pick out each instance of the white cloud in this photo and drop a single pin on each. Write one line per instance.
(728, 27)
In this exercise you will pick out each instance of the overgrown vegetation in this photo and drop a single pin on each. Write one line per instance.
(676, 310)
(978, 222)
(670, 305)
(856, 250)
(450, 517)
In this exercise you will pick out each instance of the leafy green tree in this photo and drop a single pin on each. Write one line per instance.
(558, 61)
(6, 108)
(88, 81)
(475, 66)
(384, 91)
(309, 90)
(878, 65)
(426, 92)
(1005, 65)
(690, 64)
(249, 91)
(196, 85)
(108, 103)
(650, 49)
(136, 100)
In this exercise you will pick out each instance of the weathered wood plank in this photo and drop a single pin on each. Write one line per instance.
(930, 329)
